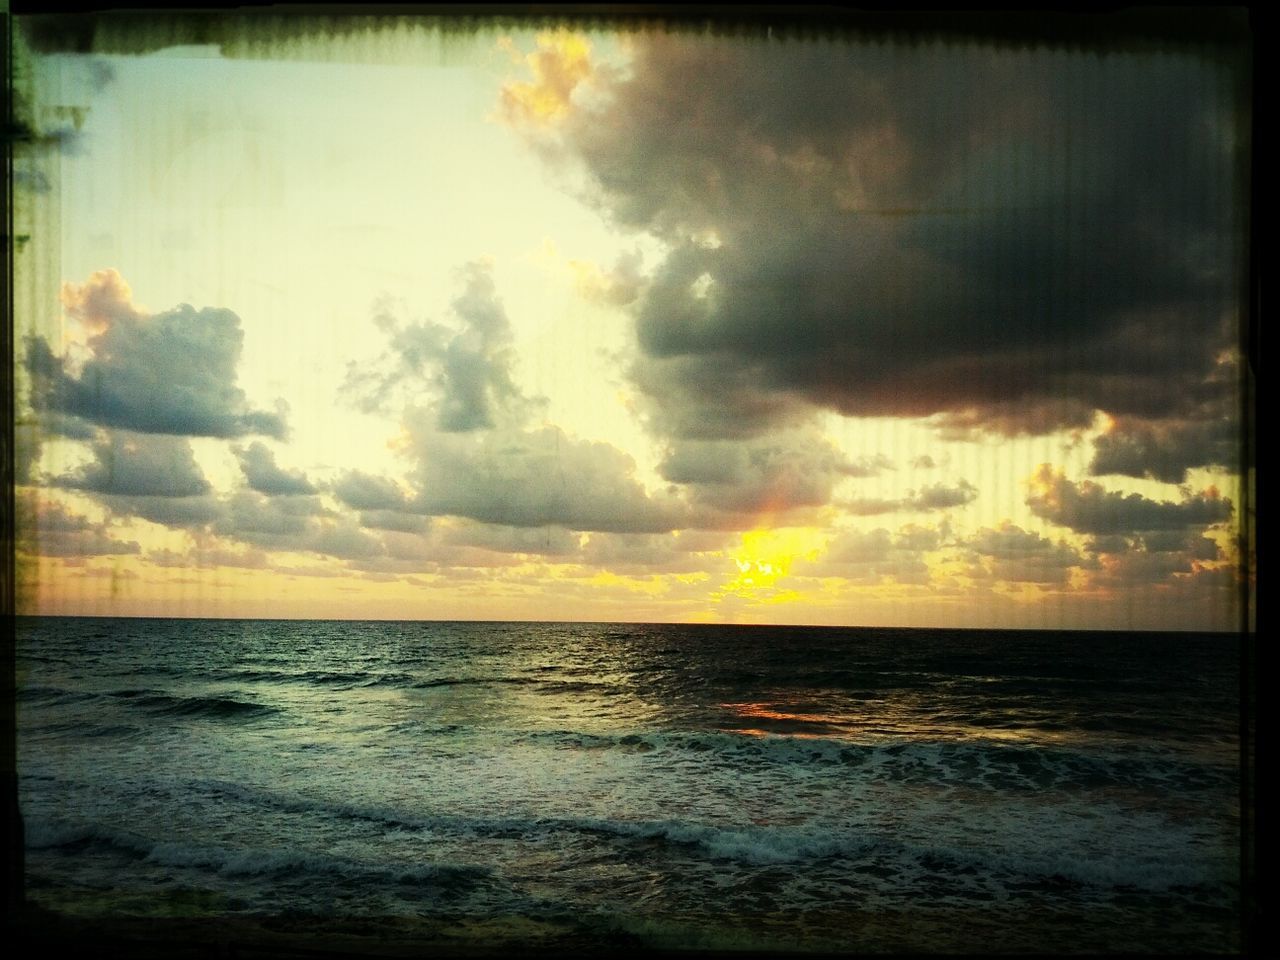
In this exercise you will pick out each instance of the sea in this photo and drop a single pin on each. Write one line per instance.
(652, 786)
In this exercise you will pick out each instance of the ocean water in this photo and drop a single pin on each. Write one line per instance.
(658, 786)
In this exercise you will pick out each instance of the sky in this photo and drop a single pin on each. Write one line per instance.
(648, 325)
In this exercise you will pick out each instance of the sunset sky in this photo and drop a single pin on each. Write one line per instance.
(646, 326)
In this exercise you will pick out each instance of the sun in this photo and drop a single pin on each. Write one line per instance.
(765, 557)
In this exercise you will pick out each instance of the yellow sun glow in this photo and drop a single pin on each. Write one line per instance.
(765, 557)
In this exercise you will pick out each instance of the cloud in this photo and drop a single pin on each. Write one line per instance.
(875, 556)
(933, 231)
(705, 398)
(867, 466)
(152, 476)
(167, 373)
(295, 524)
(1087, 507)
(474, 457)
(631, 553)
(363, 491)
(1153, 557)
(268, 520)
(47, 528)
(464, 367)
(259, 466)
(185, 512)
(560, 64)
(393, 520)
(937, 496)
(534, 478)
(782, 471)
(206, 557)
(547, 541)
(1014, 555)
(618, 286)
(137, 465)
(1166, 449)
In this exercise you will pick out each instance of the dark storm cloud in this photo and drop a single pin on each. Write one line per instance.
(259, 466)
(1000, 240)
(1166, 450)
(49, 529)
(535, 478)
(1086, 507)
(464, 366)
(138, 465)
(168, 373)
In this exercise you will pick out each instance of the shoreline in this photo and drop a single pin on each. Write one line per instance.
(36, 930)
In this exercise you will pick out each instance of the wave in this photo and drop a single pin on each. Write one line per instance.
(468, 681)
(246, 862)
(54, 695)
(995, 764)
(164, 704)
(1032, 851)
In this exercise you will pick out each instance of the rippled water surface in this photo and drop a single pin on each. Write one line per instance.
(763, 787)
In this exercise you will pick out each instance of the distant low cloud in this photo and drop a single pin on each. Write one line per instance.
(139, 465)
(295, 524)
(393, 520)
(535, 478)
(646, 553)
(266, 521)
(866, 466)
(167, 373)
(1153, 557)
(363, 491)
(203, 557)
(1087, 507)
(1010, 554)
(547, 541)
(869, 557)
(259, 466)
(177, 512)
(47, 528)
(938, 496)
